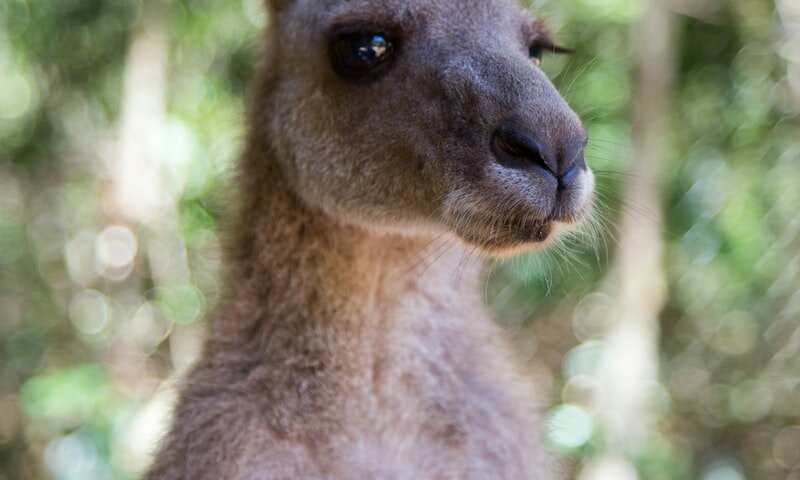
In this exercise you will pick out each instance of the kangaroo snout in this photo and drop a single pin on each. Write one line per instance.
(533, 178)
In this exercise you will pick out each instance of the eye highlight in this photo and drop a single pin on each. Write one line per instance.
(361, 55)
(363, 52)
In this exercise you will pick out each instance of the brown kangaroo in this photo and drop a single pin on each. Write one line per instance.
(389, 140)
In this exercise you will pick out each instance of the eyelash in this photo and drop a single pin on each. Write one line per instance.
(538, 47)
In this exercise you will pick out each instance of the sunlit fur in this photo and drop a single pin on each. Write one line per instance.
(352, 342)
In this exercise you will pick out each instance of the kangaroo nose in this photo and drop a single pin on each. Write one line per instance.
(514, 146)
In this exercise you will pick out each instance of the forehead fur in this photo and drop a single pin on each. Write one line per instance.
(447, 14)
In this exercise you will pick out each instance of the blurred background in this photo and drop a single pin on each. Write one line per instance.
(666, 346)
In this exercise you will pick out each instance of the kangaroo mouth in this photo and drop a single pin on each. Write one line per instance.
(498, 234)
(488, 219)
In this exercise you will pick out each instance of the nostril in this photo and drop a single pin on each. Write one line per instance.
(519, 151)
(568, 179)
(571, 165)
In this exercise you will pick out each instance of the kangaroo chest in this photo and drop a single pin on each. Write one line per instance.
(439, 400)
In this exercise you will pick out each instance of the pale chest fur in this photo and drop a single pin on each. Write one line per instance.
(438, 423)
(437, 399)
(451, 409)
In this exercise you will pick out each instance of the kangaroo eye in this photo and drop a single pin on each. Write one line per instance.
(359, 55)
(535, 52)
(544, 45)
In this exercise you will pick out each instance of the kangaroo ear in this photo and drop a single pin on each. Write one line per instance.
(278, 5)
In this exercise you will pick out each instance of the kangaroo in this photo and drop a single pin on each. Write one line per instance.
(388, 141)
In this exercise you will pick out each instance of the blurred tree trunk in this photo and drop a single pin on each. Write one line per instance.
(789, 13)
(137, 187)
(138, 196)
(629, 368)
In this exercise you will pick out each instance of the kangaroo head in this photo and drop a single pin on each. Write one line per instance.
(410, 116)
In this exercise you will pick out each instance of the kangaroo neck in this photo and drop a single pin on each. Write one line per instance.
(295, 270)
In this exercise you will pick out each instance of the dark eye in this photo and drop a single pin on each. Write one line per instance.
(359, 55)
(541, 46)
(535, 52)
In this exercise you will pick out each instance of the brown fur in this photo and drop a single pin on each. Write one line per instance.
(352, 343)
